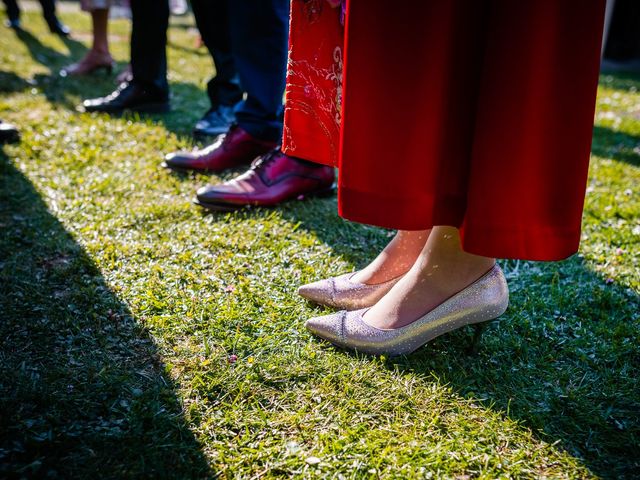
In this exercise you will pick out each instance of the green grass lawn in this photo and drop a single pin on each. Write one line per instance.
(141, 338)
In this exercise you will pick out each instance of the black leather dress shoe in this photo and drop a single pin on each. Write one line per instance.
(57, 27)
(8, 133)
(215, 122)
(129, 96)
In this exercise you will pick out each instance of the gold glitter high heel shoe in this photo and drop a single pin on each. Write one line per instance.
(485, 299)
(342, 292)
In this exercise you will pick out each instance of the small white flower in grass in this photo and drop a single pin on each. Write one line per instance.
(313, 460)
(293, 447)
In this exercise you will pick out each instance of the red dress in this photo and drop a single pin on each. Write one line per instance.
(471, 113)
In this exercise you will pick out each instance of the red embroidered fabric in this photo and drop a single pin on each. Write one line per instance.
(471, 113)
(314, 82)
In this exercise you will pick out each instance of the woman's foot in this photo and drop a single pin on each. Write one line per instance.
(345, 294)
(395, 260)
(483, 300)
(91, 62)
(366, 287)
(441, 270)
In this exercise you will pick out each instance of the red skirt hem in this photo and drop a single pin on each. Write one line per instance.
(472, 113)
(533, 242)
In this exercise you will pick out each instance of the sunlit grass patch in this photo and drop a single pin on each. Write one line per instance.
(141, 338)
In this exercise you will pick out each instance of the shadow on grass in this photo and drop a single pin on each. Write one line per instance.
(10, 82)
(68, 92)
(47, 56)
(619, 146)
(608, 143)
(354, 242)
(626, 81)
(562, 361)
(83, 392)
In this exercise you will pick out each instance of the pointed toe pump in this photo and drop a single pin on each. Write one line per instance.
(341, 292)
(485, 299)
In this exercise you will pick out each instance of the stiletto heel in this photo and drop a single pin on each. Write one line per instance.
(478, 329)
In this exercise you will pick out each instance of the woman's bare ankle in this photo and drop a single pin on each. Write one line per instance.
(396, 259)
(441, 270)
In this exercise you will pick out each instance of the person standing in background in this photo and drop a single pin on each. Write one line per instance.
(224, 90)
(48, 12)
(258, 32)
(98, 57)
(146, 88)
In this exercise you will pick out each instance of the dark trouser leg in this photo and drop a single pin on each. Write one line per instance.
(48, 10)
(150, 20)
(212, 18)
(13, 11)
(259, 30)
(224, 88)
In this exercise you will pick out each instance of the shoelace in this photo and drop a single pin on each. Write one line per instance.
(222, 141)
(265, 159)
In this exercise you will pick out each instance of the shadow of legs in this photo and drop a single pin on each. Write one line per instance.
(82, 388)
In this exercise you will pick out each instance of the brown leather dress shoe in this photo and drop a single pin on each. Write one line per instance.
(272, 179)
(233, 149)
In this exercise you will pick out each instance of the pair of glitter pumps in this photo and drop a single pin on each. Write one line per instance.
(485, 299)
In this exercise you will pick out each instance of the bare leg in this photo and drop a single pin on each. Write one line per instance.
(100, 18)
(441, 270)
(98, 56)
(396, 259)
